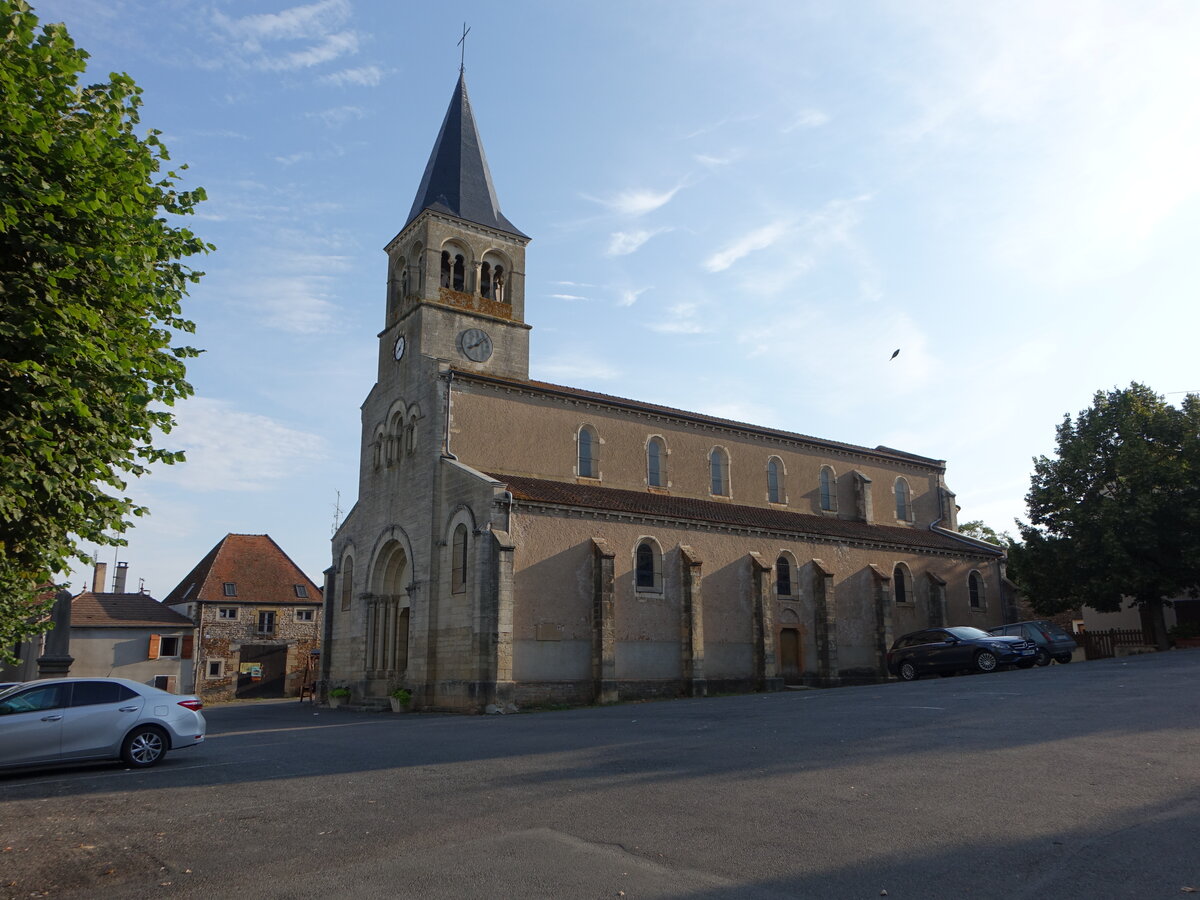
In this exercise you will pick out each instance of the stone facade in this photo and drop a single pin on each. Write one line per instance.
(515, 541)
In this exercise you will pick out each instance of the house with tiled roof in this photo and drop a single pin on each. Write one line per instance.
(515, 541)
(258, 617)
(130, 634)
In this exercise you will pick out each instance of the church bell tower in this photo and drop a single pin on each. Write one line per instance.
(456, 270)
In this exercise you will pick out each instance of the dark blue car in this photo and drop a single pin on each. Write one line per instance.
(959, 648)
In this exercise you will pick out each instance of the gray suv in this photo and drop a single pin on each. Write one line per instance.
(1052, 641)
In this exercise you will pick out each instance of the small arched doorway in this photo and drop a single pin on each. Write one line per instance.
(790, 656)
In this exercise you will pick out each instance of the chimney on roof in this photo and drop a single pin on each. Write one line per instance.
(119, 578)
(98, 578)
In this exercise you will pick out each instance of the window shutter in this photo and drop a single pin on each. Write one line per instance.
(155, 643)
(189, 641)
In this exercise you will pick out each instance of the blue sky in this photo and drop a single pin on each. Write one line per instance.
(739, 209)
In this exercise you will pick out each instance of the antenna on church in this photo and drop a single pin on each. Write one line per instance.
(462, 42)
(337, 513)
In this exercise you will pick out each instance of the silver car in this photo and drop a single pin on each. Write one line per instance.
(76, 719)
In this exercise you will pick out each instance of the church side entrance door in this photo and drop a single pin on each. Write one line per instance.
(789, 655)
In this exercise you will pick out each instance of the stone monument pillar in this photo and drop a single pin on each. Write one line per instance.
(56, 661)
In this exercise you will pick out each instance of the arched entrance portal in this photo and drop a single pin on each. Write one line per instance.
(388, 614)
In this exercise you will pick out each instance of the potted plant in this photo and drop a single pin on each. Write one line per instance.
(400, 699)
(338, 696)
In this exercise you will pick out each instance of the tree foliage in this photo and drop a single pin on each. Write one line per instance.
(981, 531)
(90, 289)
(1115, 517)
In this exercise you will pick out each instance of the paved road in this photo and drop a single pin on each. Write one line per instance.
(1070, 781)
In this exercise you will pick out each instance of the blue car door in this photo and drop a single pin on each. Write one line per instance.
(31, 724)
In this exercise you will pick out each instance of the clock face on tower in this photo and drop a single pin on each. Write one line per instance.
(398, 347)
(475, 344)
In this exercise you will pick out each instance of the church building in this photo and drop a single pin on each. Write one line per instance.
(521, 542)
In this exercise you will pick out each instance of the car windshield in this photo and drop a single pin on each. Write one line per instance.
(967, 633)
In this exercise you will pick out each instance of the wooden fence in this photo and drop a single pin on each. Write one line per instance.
(1104, 644)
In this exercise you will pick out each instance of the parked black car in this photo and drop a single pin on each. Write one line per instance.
(1052, 641)
(955, 649)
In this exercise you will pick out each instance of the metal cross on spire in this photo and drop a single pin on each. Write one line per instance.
(462, 42)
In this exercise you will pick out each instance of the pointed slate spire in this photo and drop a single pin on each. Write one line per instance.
(457, 180)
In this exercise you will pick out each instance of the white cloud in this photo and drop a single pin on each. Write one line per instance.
(338, 115)
(363, 76)
(315, 25)
(712, 162)
(629, 296)
(573, 370)
(330, 48)
(297, 23)
(806, 118)
(567, 297)
(682, 320)
(638, 202)
(230, 450)
(759, 239)
(622, 243)
(293, 158)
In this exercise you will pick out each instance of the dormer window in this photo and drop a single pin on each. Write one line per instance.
(230, 589)
(301, 591)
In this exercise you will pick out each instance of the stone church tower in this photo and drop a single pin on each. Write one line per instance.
(455, 301)
(518, 541)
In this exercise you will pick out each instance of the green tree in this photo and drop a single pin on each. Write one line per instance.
(1115, 517)
(90, 290)
(977, 529)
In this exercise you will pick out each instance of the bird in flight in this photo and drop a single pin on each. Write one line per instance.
(897, 353)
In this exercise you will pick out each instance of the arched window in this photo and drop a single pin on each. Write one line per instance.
(718, 464)
(347, 581)
(648, 567)
(377, 448)
(828, 484)
(395, 443)
(498, 291)
(656, 463)
(903, 501)
(458, 562)
(446, 276)
(774, 480)
(410, 436)
(460, 273)
(902, 584)
(975, 590)
(485, 280)
(589, 455)
(783, 577)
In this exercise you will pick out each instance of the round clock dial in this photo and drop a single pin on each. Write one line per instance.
(475, 344)
(398, 347)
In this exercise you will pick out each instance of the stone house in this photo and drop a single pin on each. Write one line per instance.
(258, 617)
(519, 541)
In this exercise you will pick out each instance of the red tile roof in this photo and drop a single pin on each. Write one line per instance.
(90, 610)
(625, 403)
(255, 564)
(803, 525)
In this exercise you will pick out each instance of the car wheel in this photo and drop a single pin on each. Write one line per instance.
(908, 671)
(1064, 659)
(144, 746)
(985, 661)
(1043, 658)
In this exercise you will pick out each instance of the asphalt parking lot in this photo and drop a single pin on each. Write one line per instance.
(1069, 781)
